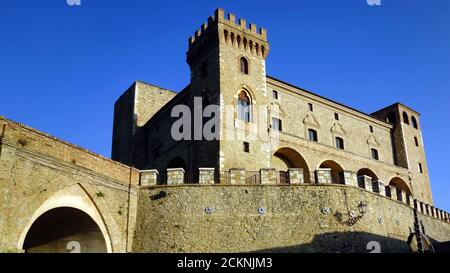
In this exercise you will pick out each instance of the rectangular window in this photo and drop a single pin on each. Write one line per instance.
(275, 94)
(276, 124)
(336, 116)
(312, 135)
(246, 147)
(375, 154)
(371, 128)
(416, 141)
(420, 168)
(310, 107)
(340, 143)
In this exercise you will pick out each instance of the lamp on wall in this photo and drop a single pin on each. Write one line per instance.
(362, 207)
(353, 219)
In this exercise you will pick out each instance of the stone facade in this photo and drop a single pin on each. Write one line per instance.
(235, 224)
(241, 205)
(213, 56)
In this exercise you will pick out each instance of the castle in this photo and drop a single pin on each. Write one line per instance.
(328, 141)
(254, 164)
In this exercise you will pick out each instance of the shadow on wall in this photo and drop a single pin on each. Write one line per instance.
(354, 242)
(346, 242)
(441, 247)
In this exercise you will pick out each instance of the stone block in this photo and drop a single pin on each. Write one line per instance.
(323, 176)
(148, 177)
(268, 176)
(237, 176)
(296, 176)
(206, 176)
(175, 176)
(350, 178)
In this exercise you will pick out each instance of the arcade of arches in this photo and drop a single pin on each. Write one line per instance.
(286, 158)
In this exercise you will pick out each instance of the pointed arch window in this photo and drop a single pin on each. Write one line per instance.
(244, 107)
(414, 122)
(405, 118)
(244, 65)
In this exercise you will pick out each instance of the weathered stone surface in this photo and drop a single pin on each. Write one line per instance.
(296, 176)
(268, 176)
(235, 225)
(149, 177)
(206, 175)
(323, 176)
(237, 176)
(175, 176)
(350, 178)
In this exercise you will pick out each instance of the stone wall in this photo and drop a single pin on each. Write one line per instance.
(297, 218)
(39, 173)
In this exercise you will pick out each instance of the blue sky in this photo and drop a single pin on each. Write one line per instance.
(62, 67)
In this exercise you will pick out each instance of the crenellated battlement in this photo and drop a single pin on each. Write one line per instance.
(294, 176)
(227, 29)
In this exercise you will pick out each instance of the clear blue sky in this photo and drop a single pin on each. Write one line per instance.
(62, 67)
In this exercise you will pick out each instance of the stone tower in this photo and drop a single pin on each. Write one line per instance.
(408, 147)
(131, 112)
(227, 60)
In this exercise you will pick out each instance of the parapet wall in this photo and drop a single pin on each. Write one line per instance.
(274, 218)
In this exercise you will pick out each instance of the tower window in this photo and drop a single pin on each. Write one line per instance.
(312, 135)
(405, 118)
(336, 116)
(275, 94)
(414, 122)
(244, 107)
(246, 147)
(340, 143)
(244, 65)
(310, 107)
(375, 154)
(277, 124)
(371, 128)
(420, 168)
(416, 141)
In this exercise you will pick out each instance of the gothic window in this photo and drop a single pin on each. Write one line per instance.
(244, 107)
(405, 118)
(244, 65)
(414, 122)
